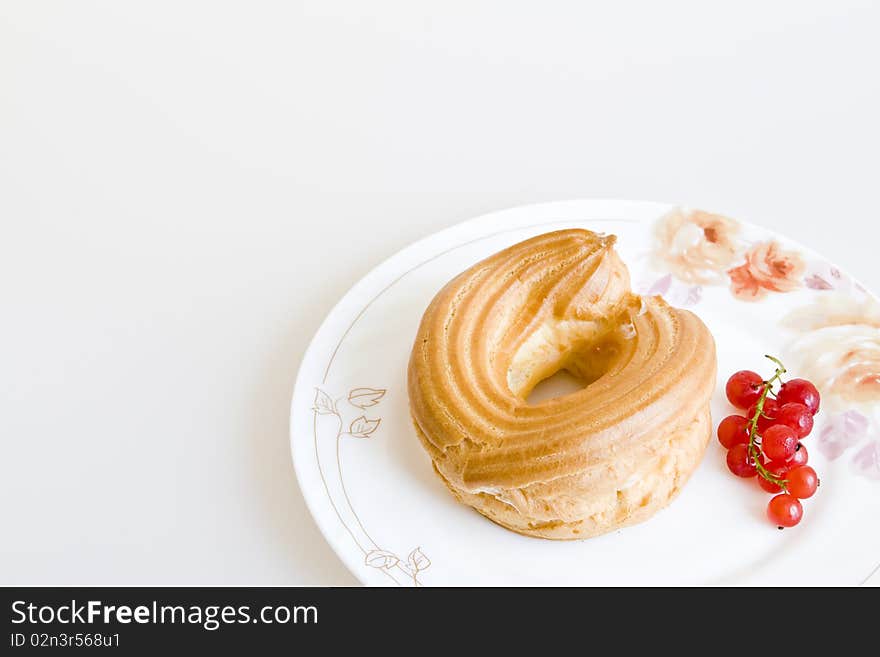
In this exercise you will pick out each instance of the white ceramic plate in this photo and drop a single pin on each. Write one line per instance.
(372, 490)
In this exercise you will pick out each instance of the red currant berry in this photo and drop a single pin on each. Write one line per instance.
(740, 462)
(779, 443)
(800, 456)
(744, 388)
(732, 430)
(796, 416)
(768, 414)
(802, 482)
(785, 511)
(779, 471)
(799, 391)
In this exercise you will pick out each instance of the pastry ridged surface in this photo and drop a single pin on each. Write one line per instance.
(605, 456)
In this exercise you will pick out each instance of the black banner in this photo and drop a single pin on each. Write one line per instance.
(146, 620)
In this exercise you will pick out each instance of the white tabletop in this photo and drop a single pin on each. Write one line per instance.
(187, 188)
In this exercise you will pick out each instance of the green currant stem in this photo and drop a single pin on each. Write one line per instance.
(753, 425)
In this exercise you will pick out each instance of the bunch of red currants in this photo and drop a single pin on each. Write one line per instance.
(766, 442)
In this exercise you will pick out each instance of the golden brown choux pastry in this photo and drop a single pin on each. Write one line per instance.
(608, 455)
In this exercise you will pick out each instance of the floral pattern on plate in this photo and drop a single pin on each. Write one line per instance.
(768, 267)
(696, 247)
(836, 336)
(350, 421)
(700, 248)
(837, 345)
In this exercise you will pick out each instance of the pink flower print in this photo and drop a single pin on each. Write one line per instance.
(842, 432)
(816, 282)
(821, 275)
(673, 291)
(866, 462)
(660, 286)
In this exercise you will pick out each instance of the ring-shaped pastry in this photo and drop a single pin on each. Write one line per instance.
(608, 455)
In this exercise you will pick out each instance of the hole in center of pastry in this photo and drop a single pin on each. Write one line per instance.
(556, 385)
(562, 359)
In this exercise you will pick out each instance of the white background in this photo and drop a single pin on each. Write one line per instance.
(187, 188)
